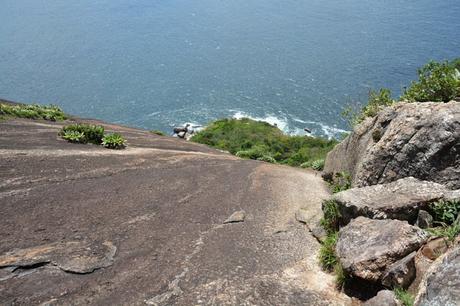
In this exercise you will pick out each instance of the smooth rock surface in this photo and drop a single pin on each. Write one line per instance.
(366, 247)
(416, 139)
(441, 284)
(401, 199)
(383, 298)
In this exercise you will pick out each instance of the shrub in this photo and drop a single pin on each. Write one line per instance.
(377, 101)
(404, 297)
(33, 111)
(74, 136)
(327, 256)
(157, 132)
(340, 182)
(437, 82)
(113, 141)
(318, 165)
(445, 212)
(267, 158)
(331, 216)
(92, 133)
(255, 139)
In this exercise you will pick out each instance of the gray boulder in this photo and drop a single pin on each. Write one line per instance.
(414, 139)
(366, 247)
(401, 273)
(383, 298)
(441, 284)
(424, 219)
(401, 200)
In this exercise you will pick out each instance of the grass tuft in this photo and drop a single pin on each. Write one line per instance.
(404, 297)
(32, 111)
(327, 256)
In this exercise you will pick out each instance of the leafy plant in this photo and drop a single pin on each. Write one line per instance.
(113, 141)
(437, 82)
(450, 232)
(318, 165)
(74, 136)
(445, 211)
(340, 182)
(252, 139)
(327, 256)
(32, 111)
(268, 159)
(404, 297)
(331, 216)
(92, 133)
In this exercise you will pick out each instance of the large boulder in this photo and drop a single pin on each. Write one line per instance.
(407, 139)
(401, 199)
(441, 283)
(367, 248)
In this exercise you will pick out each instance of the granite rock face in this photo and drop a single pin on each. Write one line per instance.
(402, 199)
(441, 284)
(415, 139)
(367, 248)
(383, 298)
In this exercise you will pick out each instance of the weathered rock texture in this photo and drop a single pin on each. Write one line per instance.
(441, 284)
(401, 273)
(415, 139)
(383, 298)
(401, 199)
(366, 248)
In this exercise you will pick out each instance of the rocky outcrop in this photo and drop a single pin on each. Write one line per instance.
(441, 284)
(367, 248)
(407, 139)
(402, 199)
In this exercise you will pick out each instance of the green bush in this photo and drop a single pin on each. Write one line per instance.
(247, 138)
(32, 111)
(92, 133)
(445, 212)
(267, 158)
(327, 256)
(331, 216)
(450, 232)
(404, 297)
(74, 136)
(437, 82)
(113, 141)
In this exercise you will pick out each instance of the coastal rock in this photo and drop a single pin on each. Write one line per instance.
(441, 284)
(237, 216)
(400, 200)
(401, 273)
(415, 139)
(366, 248)
(383, 298)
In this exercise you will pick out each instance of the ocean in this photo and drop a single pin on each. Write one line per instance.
(155, 64)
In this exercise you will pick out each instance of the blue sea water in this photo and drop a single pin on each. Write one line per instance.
(158, 63)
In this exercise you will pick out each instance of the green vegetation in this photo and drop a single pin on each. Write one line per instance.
(32, 111)
(113, 141)
(445, 211)
(341, 276)
(158, 132)
(251, 139)
(437, 82)
(327, 257)
(331, 217)
(317, 165)
(445, 214)
(404, 297)
(83, 133)
(340, 182)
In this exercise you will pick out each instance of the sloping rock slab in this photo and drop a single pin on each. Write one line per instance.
(367, 247)
(75, 256)
(401, 199)
(441, 283)
(407, 139)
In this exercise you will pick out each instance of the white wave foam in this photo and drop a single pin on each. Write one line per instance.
(281, 123)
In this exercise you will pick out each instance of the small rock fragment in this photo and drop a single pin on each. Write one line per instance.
(237, 216)
(424, 219)
(435, 248)
(383, 298)
(401, 273)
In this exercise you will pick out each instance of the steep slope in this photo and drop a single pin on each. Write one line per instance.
(86, 225)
